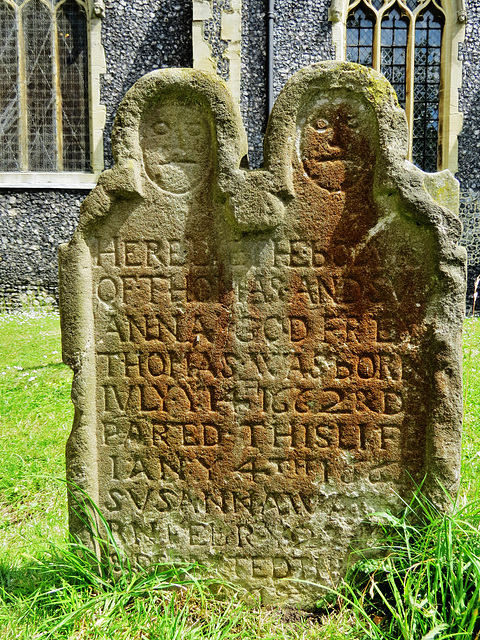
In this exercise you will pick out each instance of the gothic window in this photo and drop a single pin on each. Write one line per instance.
(403, 40)
(44, 86)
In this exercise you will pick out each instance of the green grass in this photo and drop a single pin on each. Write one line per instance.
(471, 400)
(35, 419)
(424, 584)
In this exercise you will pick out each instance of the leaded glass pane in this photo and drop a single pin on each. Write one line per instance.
(433, 73)
(360, 27)
(419, 92)
(50, 3)
(434, 56)
(41, 129)
(421, 56)
(394, 48)
(365, 56)
(399, 57)
(428, 38)
(432, 93)
(9, 111)
(73, 52)
(377, 3)
(421, 72)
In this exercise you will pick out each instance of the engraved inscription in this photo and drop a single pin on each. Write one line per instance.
(264, 351)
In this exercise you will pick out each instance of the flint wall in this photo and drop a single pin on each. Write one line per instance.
(141, 35)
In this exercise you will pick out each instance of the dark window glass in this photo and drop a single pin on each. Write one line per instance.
(44, 86)
(9, 120)
(39, 72)
(426, 69)
(360, 27)
(428, 39)
(394, 51)
(73, 54)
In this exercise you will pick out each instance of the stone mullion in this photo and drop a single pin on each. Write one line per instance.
(377, 51)
(377, 43)
(445, 95)
(22, 91)
(216, 35)
(409, 83)
(58, 93)
(450, 119)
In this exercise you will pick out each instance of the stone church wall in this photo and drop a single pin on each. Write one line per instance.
(469, 145)
(137, 37)
(143, 35)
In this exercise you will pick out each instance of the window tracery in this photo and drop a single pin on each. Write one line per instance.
(414, 43)
(46, 120)
(402, 39)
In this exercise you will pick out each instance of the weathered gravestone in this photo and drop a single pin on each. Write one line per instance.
(262, 358)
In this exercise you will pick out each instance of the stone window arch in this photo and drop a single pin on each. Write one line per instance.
(51, 122)
(414, 43)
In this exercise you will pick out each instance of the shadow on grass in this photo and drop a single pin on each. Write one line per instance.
(70, 588)
(22, 581)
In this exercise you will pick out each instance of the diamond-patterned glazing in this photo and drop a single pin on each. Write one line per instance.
(394, 50)
(428, 38)
(360, 26)
(9, 129)
(73, 54)
(55, 125)
(396, 28)
(41, 126)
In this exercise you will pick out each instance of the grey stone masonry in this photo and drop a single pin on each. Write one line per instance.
(140, 36)
(32, 224)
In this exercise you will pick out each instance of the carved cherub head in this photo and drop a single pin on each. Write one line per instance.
(334, 143)
(176, 141)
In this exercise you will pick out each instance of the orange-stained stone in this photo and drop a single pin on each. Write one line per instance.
(262, 359)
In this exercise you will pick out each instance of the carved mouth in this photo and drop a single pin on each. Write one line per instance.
(332, 174)
(335, 154)
(174, 161)
(178, 176)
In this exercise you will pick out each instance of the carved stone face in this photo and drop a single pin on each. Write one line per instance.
(334, 146)
(176, 140)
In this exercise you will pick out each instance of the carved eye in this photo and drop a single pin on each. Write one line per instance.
(321, 125)
(161, 128)
(194, 130)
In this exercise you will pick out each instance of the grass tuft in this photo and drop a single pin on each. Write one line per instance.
(423, 579)
(421, 583)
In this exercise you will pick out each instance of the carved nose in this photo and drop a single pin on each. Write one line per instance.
(335, 138)
(178, 154)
